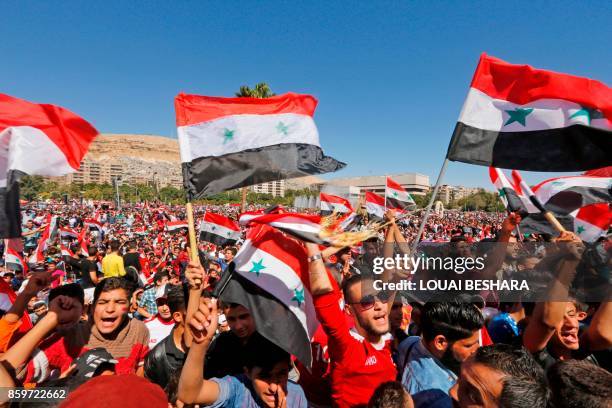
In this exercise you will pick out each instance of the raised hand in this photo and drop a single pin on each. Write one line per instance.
(67, 309)
(204, 321)
(38, 281)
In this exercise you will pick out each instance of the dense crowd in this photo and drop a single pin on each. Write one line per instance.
(117, 310)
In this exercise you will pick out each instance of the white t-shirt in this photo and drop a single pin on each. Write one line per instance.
(158, 330)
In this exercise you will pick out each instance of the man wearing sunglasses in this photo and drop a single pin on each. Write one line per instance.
(360, 359)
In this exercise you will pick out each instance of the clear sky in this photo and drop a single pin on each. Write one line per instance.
(390, 77)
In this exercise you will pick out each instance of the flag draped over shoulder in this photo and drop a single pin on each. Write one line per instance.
(226, 143)
(397, 198)
(219, 229)
(271, 279)
(519, 117)
(35, 139)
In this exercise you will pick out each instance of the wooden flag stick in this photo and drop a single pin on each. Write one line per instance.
(553, 221)
(193, 244)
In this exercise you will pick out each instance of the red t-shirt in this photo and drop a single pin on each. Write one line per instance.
(357, 366)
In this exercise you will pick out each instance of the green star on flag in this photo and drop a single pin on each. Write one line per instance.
(501, 192)
(518, 115)
(298, 296)
(589, 113)
(228, 135)
(580, 230)
(395, 194)
(282, 128)
(257, 267)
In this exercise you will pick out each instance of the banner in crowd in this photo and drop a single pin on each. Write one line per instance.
(219, 230)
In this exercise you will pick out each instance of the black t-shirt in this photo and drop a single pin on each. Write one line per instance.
(224, 356)
(87, 266)
(600, 358)
(132, 259)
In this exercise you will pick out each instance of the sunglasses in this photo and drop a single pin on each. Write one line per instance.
(368, 301)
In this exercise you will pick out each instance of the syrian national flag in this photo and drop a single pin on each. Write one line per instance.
(66, 251)
(35, 139)
(270, 278)
(93, 224)
(12, 257)
(331, 203)
(83, 244)
(7, 298)
(176, 226)
(375, 206)
(519, 117)
(227, 143)
(305, 227)
(592, 221)
(510, 194)
(68, 233)
(219, 230)
(563, 195)
(397, 198)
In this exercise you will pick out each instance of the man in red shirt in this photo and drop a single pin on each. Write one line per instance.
(360, 359)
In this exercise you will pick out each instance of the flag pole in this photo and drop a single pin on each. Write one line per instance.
(193, 246)
(431, 201)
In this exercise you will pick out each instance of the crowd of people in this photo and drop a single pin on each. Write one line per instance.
(120, 311)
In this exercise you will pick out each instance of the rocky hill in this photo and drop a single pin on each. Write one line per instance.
(146, 147)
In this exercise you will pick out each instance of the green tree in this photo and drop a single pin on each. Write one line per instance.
(30, 187)
(261, 90)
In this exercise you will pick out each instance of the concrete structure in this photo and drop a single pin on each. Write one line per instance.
(132, 171)
(414, 183)
(276, 188)
(448, 193)
(351, 193)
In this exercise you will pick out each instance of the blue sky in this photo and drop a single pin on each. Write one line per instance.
(390, 76)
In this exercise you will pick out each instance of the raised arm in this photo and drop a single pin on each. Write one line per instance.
(319, 279)
(62, 310)
(599, 334)
(193, 388)
(547, 315)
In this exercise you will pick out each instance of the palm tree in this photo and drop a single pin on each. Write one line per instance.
(261, 90)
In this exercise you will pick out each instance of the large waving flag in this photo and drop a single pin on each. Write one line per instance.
(227, 143)
(219, 230)
(519, 117)
(271, 279)
(331, 203)
(397, 198)
(35, 139)
(375, 206)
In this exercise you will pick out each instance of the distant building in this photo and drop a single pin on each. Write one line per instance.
(414, 183)
(132, 171)
(276, 188)
(447, 193)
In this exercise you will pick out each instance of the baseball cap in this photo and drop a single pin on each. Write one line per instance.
(91, 362)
